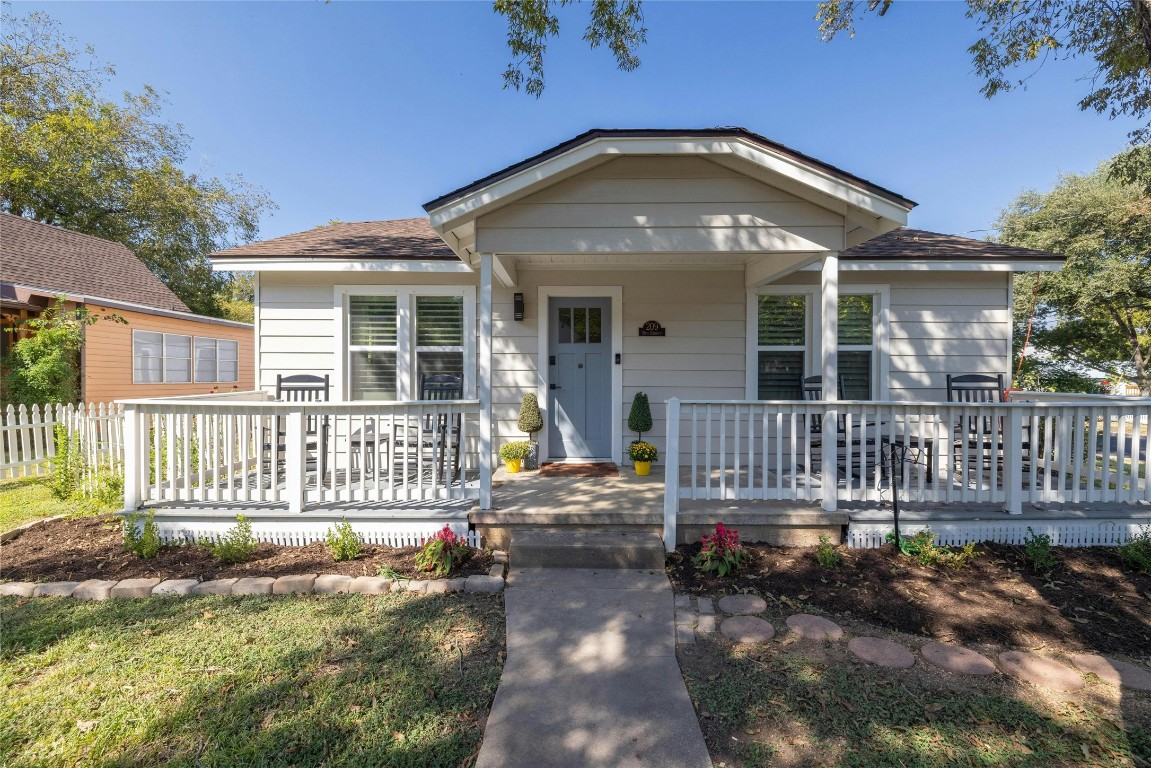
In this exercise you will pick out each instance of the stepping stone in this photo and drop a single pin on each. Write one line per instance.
(55, 589)
(961, 661)
(706, 606)
(683, 602)
(706, 625)
(298, 584)
(18, 588)
(332, 583)
(747, 629)
(741, 604)
(173, 588)
(253, 585)
(134, 588)
(1113, 671)
(93, 589)
(808, 627)
(1040, 670)
(880, 652)
(215, 587)
(371, 585)
(684, 635)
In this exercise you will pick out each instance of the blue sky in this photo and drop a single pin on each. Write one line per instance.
(365, 110)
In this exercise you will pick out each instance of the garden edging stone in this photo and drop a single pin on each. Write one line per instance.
(134, 588)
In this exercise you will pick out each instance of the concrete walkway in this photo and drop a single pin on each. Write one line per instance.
(591, 677)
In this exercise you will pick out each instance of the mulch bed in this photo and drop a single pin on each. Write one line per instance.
(579, 470)
(1090, 602)
(93, 548)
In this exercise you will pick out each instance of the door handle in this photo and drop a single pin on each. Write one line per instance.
(554, 386)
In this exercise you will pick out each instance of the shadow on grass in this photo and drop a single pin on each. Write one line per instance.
(395, 680)
(780, 707)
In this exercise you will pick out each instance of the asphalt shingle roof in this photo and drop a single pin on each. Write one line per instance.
(43, 256)
(412, 239)
(916, 244)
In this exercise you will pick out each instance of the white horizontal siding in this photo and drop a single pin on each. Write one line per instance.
(659, 205)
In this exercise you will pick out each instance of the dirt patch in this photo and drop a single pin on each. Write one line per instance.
(92, 548)
(1090, 602)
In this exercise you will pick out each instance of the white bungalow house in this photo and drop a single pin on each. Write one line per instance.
(714, 270)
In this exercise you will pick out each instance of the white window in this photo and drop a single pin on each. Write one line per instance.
(395, 336)
(216, 360)
(785, 344)
(161, 358)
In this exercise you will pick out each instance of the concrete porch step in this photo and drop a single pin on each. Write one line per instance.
(586, 549)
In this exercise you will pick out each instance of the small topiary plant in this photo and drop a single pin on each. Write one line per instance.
(1037, 550)
(443, 552)
(721, 552)
(237, 545)
(530, 420)
(142, 539)
(827, 554)
(516, 449)
(343, 542)
(639, 419)
(1136, 553)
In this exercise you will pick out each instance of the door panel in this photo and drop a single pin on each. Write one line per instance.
(579, 396)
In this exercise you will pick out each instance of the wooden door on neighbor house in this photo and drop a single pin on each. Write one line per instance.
(579, 378)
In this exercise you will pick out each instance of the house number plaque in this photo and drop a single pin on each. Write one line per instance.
(652, 328)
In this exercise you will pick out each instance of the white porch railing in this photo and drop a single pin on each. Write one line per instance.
(244, 448)
(1071, 452)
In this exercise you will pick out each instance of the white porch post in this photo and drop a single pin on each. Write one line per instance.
(296, 461)
(134, 448)
(484, 370)
(829, 354)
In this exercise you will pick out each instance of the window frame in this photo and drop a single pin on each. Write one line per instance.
(407, 352)
(215, 360)
(194, 341)
(813, 352)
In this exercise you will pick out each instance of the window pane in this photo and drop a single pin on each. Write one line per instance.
(227, 357)
(594, 334)
(579, 325)
(147, 357)
(228, 371)
(855, 314)
(177, 358)
(205, 359)
(439, 321)
(782, 320)
(433, 363)
(565, 326)
(372, 321)
(780, 376)
(373, 376)
(226, 350)
(855, 373)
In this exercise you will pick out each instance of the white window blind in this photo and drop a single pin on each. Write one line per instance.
(439, 336)
(856, 344)
(782, 345)
(373, 346)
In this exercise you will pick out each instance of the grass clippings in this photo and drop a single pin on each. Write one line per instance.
(394, 680)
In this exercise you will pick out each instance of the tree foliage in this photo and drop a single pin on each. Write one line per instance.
(71, 158)
(618, 24)
(530, 420)
(639, 418)
(1096, 312)
(44, 366)
(1115, 34)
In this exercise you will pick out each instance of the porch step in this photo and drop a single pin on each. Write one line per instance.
(586, 549)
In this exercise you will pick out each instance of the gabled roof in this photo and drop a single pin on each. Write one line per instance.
(906, 244)
(47, 257)
(401, 239)
(667, 133)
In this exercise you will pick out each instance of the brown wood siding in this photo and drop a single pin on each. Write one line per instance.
(107, 362)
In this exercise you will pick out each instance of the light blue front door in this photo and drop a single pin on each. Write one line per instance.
(579, 378)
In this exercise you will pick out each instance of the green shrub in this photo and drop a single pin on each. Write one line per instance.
(237, 545)
(142, 539)
(443, 552)
(1136, 553)
(388, 572)
(1037, 550)
(827, 554)
(721, 552)
(639, 418)
(343, 542)
(922, 548)
(67, 464)
(516, 449)
(530, 420)
(642, 451)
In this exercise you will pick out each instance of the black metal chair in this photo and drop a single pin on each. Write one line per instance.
(813, 392)
(438, 432)
(977, 434)
(305, 388)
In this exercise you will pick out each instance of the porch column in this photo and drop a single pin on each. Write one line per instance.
(829, 367)
(484, 370)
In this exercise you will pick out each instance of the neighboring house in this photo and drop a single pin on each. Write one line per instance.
(721, 237)
(161, 350)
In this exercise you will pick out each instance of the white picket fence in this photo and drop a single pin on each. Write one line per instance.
(28, 438)
(1098, 533)
(272, 532)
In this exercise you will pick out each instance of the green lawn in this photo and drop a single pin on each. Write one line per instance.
(394, 680)
(30, 498)
(779, 707)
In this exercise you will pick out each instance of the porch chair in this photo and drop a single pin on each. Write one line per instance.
(437, 431)
(813, 392)
(974, 433)
(304, 388)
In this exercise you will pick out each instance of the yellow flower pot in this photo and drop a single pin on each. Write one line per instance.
(512, 465)
(643, 468)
